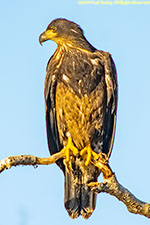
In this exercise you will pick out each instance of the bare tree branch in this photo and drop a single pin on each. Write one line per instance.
(25, 160)
(110, 185)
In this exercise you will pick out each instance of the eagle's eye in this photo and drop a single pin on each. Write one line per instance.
(53, 29)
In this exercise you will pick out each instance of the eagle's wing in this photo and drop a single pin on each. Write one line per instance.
(109, 122)
(50, 111)
(112, 99)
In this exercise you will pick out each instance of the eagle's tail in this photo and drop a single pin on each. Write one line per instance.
(79, 199)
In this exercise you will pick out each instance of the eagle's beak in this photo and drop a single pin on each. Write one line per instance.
(47, 35)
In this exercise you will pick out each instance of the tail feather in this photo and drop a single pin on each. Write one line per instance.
(79, 199)
(88, 201)
(72, 196)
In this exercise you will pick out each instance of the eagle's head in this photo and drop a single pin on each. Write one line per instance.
(65, 32)
(61, 30)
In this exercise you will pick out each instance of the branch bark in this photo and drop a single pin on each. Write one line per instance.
(31, 160)
(110, 185)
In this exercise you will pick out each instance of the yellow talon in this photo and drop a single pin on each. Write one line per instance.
(93, 184)
(88, 150)
(69, 147)
(67, 154)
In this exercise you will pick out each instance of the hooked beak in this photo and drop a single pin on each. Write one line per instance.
(47, 35)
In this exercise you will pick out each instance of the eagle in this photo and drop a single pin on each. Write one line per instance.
(80, 104)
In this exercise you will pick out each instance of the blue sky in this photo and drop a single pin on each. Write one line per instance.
(35, 196)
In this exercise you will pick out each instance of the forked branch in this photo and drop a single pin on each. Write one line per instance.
(110, 185)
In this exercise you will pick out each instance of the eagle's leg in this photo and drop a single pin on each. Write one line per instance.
(89, 155)
(69, 149)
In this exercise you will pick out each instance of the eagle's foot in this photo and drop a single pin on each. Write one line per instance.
(95, 187)
(69, 150)
(89, 154)
(103, 158)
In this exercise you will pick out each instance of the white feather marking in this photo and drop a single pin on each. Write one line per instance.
(68, 134)
(73, 65)
(109, 87)
(110, 90)
(65, 78)
(53, 77)
(74, 31)
(95, 61)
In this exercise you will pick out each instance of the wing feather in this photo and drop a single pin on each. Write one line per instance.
(112, 98)
(50, 110)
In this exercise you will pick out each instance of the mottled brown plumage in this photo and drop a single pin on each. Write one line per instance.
(81, 102)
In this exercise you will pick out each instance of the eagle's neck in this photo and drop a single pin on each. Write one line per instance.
(74, 44)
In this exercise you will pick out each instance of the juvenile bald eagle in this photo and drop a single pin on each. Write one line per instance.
(81, 102)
